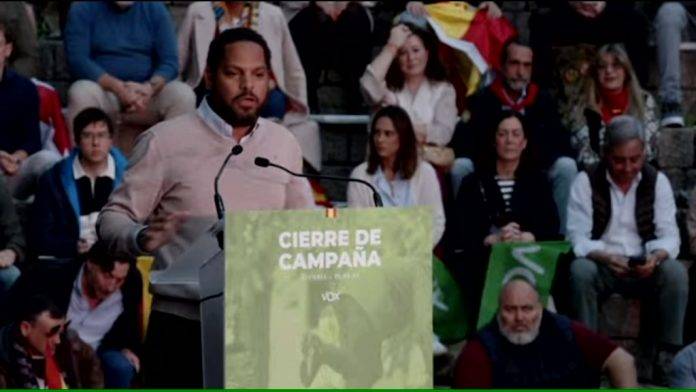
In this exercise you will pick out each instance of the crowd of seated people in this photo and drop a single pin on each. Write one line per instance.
(558, 143)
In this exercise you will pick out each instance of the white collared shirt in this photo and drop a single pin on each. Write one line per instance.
(395, 193)
(216, 122)
(621, 235)
(88, 222)
(109, 171)
(92, 324)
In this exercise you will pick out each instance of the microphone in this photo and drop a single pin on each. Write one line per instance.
(263, 162)
(219, 205)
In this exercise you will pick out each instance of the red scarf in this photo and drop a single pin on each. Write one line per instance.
(613, 103)
(54, 379)
(498, 88)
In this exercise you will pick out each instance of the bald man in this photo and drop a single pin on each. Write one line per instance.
(529, 347)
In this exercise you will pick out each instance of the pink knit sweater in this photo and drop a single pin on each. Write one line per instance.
(172, 168)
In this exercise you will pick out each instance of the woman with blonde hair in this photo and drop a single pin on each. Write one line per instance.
(612, 90)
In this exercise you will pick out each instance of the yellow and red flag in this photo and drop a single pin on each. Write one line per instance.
(471, 43)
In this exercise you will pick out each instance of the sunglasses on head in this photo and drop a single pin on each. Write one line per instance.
(55, 330)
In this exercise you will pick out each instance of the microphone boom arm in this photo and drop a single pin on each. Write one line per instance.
(375, 195)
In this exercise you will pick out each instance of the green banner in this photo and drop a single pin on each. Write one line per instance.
(535, 261)
(450, 321)
(329, 302)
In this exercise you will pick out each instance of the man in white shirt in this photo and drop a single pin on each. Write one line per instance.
(101, 295)
(622, 224)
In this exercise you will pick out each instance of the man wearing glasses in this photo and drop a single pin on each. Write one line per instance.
(72, 192)
(37, 352)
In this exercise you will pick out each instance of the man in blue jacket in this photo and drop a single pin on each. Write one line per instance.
(71, 193)
(123, 55)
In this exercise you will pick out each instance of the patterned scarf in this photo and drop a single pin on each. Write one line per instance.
(248, 19)
(498, 88)
(613, 103)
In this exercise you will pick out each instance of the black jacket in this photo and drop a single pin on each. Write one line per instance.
(480, 205)
(547, 137)
(75, 358)
(55, 279)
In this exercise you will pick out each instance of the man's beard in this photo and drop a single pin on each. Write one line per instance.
(236, 120)
(519, 86)
(520, 338)
(230, 116)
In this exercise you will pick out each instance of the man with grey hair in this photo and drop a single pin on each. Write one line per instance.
(529, 347)
(622, 224)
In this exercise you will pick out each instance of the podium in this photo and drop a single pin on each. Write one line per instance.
(212, 320)
(199, 275)
(292, 286)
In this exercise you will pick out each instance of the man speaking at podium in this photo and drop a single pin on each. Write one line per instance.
(166, 199)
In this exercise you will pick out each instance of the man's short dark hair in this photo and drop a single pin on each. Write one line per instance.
(33, 306)
(506, 47)
(90, 116)
(217, 48)
(100, 256)
(7, 30)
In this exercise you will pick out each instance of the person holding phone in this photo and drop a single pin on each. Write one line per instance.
(622, 224)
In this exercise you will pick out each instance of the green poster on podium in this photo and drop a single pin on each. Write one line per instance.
(328, 302)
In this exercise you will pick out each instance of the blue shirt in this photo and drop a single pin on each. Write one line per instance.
(130, 44)
(19, 114)
(395, 193)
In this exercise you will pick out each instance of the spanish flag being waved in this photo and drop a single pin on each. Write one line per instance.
(471, 43)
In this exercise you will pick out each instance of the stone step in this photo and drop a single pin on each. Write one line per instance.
(344, 146)
(675, 147)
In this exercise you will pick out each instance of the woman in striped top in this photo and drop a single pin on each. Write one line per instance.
(507, 199)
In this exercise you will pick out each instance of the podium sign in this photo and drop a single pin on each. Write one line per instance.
(324, 302)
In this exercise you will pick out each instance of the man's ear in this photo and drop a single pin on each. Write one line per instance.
(208, 78)
(9, 48)
(24, 328)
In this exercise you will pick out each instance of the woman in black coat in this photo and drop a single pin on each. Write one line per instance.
(507, 199)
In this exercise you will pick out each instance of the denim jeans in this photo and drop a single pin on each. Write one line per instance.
(671, 21)
(8, 275)
(561, 176)
(275, 105)
(461, 168)
(683, 373)
(668, 288)
(118, 371)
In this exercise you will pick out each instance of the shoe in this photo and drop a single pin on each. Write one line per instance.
(438, 347)
(675, 121)
(672, 115)
(662, 367)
